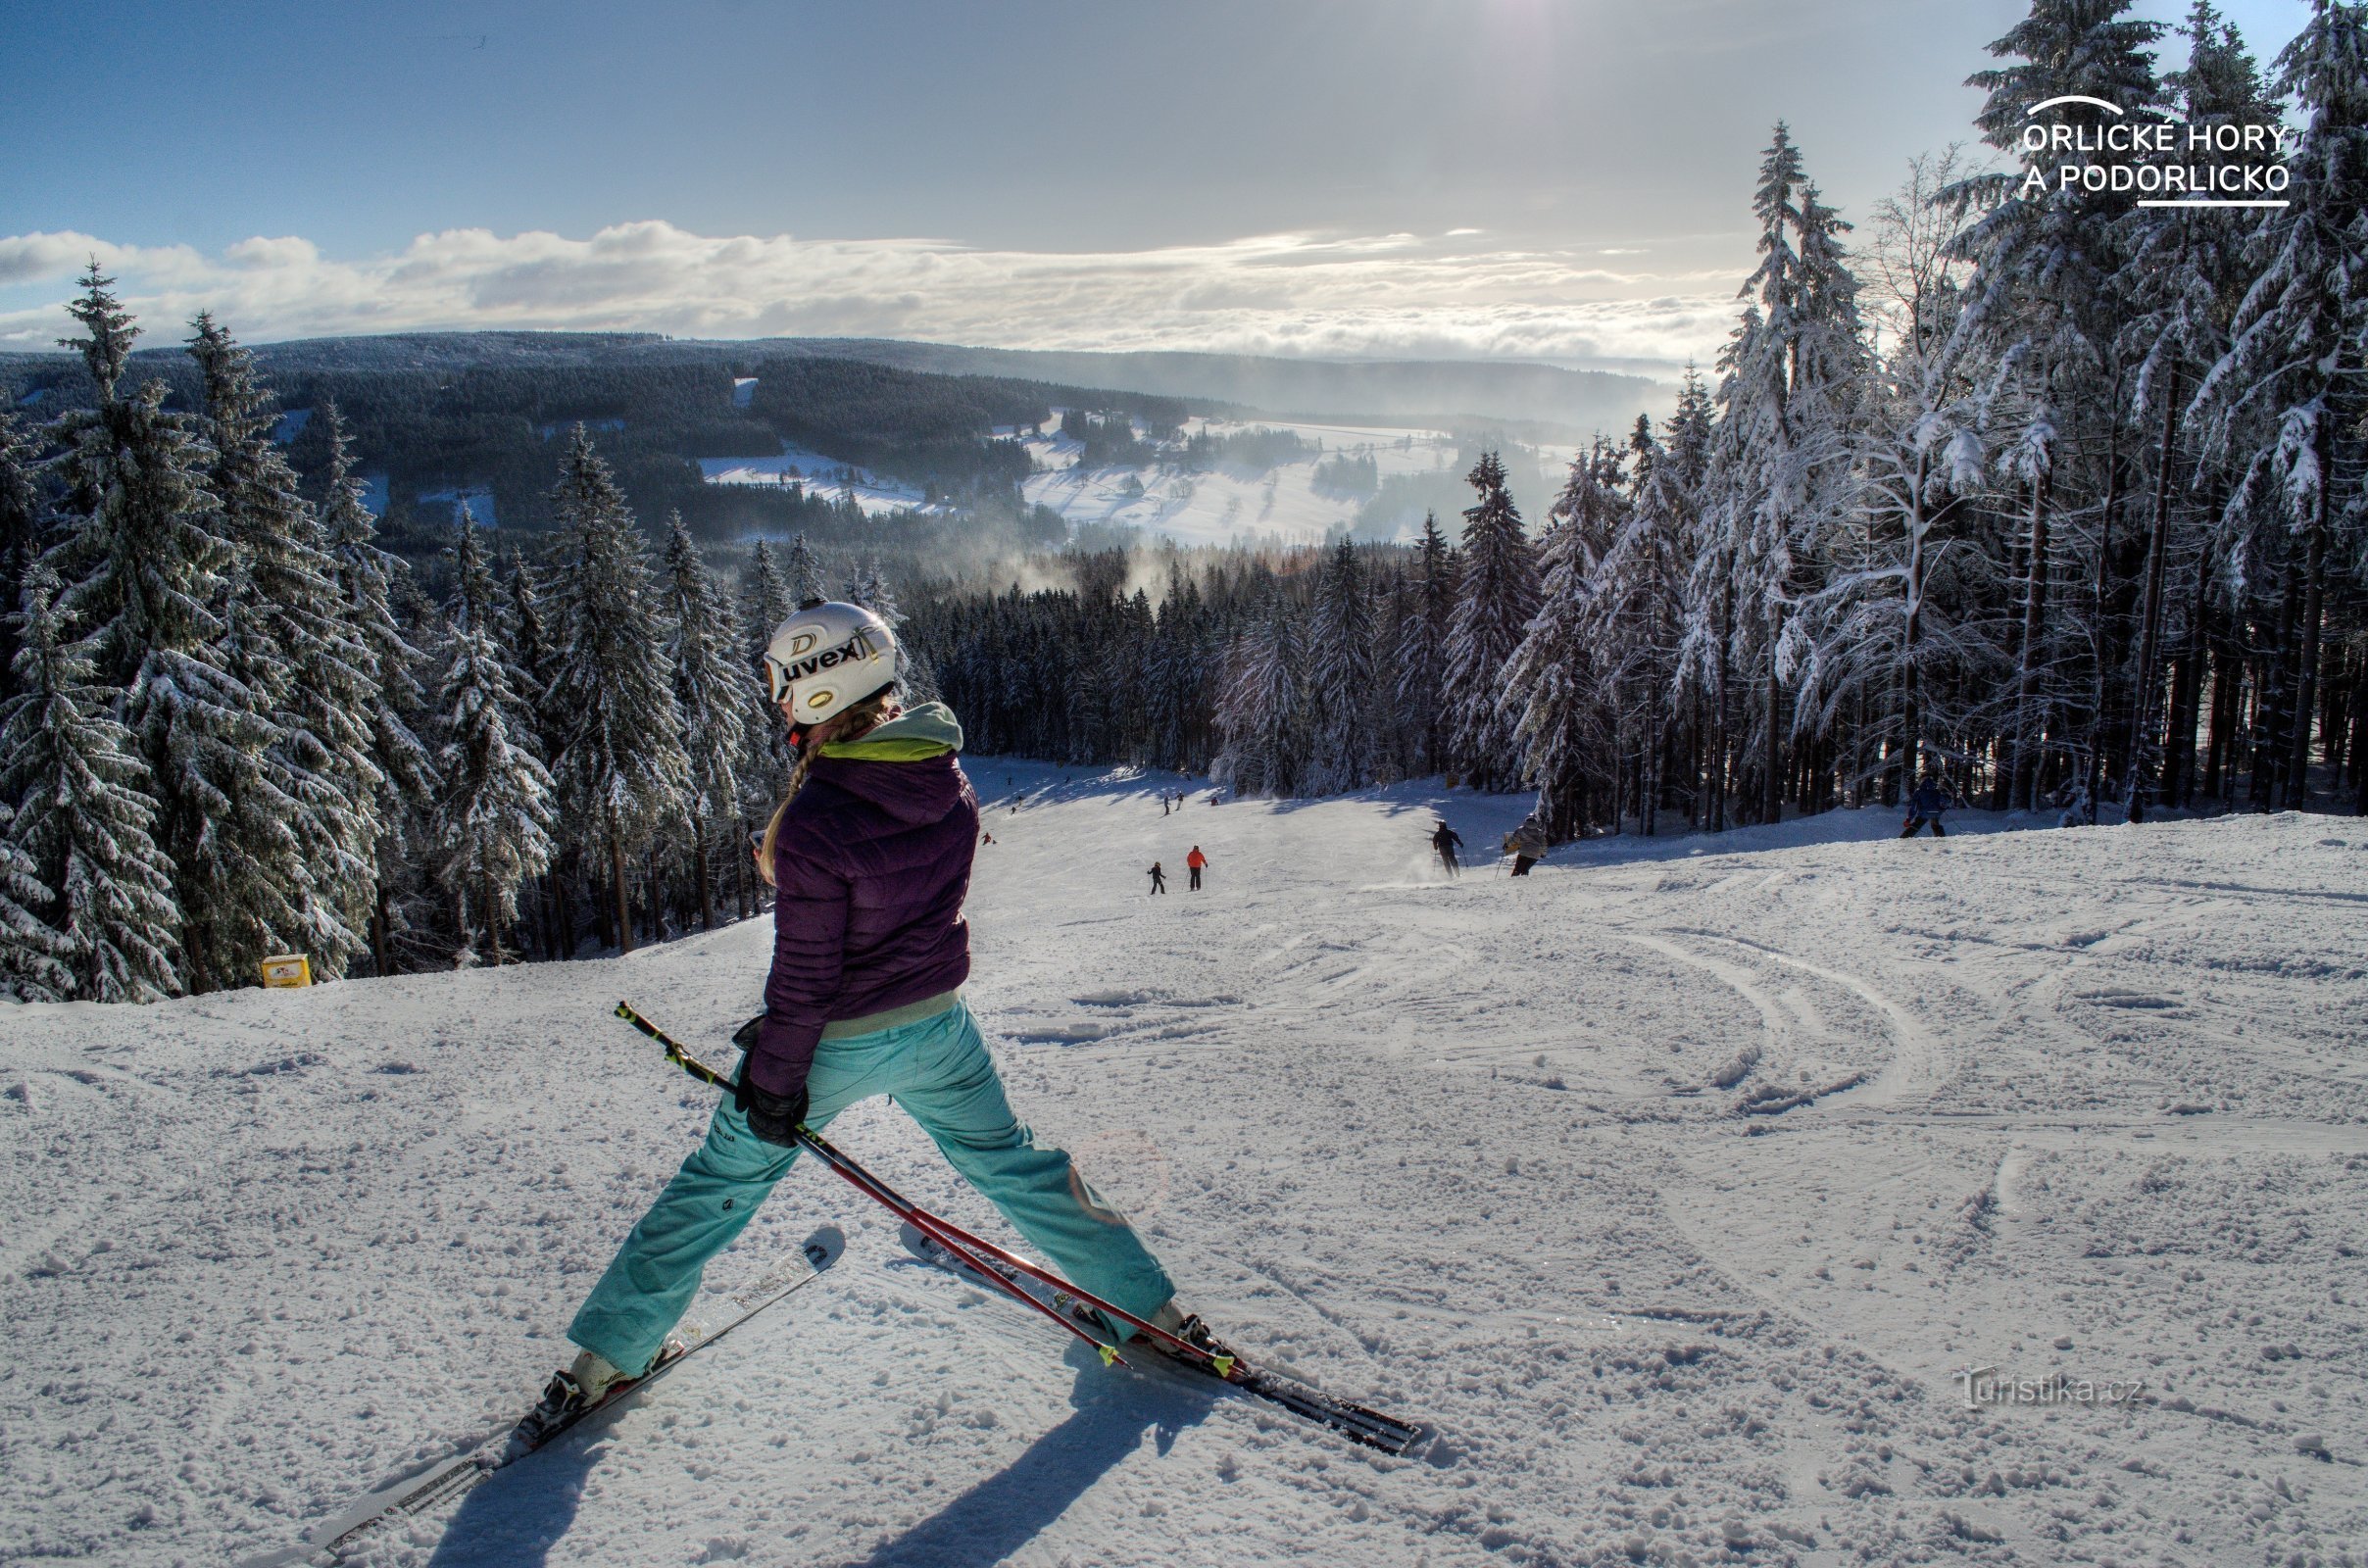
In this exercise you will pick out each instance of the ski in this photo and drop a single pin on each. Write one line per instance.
(423, 1491)
(1354, 1422)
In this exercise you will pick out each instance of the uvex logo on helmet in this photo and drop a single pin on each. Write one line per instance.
(827, 658)
(797, 670)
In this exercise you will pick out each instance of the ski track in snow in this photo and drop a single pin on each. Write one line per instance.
(1501, 1155)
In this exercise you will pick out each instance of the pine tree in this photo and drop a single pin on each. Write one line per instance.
(802, 573)
(493, 815)
(1263, 722)
(2288, 389)
(366, 578)
(620, 765)
(80, 832)
(30, 951)
(1421, 651)
(155, 591)
(1340, 661)
(310, 667)
(765, 604)
(1495, 600)
(2040, 303)
(24, 521)
(712, 692)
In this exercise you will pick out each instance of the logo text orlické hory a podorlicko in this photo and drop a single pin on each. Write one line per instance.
(2164, 163)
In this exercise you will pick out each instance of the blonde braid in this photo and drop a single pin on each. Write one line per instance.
(847, 725)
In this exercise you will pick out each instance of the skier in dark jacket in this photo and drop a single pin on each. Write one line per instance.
(1446, 841)
(1159, 878)
(870, 855)
(1926, 804)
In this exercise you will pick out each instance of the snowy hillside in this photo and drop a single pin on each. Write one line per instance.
(1289, 501)
(1504, 1156)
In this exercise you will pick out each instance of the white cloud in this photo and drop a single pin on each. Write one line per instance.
(1338, 295)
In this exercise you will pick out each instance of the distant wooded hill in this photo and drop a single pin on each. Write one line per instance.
(442, 414)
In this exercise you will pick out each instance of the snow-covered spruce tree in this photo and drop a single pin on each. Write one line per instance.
(764, 603)
(306, 660)
(1262, 725)
(2288, 394)
(1908, 592)
(24, 522)
(1496, 597)
(493, 812)
(620, 764)
(2039, 303)
(712, 692)
(151, 588)
(1340, 667)
(801, 573)
(1549, 679)
(81, 818)
(366, 578)
(533, 662)
(1783, 457)
(1421, 651)
(2188, 270)
(30, 951)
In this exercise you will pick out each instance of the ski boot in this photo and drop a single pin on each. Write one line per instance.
(1188, 1327)
(589, 1383)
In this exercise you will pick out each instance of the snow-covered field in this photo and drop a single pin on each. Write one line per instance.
(1230, 505)
(1500, 1155)
(821, 475)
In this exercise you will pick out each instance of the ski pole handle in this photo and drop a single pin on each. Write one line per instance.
(673, 1048)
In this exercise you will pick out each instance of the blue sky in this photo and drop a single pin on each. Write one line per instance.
(1287, 174)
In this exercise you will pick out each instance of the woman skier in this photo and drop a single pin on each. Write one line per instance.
(870, 856)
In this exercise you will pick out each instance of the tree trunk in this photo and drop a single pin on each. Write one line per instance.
(2143, 706)
(2227, 675)
(2027, 722)
(1911, 696)
(1772, 801)
(616, 876)
(740, 867)
(2307, 682)
(657, 921)
(379, 925)
(1720, 749)
(707, 899)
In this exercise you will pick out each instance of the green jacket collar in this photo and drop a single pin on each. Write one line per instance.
(918, 733)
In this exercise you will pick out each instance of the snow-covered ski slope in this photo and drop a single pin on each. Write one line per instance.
(1477, 1151)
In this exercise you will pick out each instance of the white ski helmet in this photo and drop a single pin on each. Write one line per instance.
(828, 656)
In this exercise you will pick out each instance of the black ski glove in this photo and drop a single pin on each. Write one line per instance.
(770, 1116)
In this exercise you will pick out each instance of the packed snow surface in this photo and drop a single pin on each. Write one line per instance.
(1676, 1185)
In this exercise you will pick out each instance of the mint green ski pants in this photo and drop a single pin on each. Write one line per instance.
(938, 1069)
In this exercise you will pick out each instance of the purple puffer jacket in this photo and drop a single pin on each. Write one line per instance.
(872, 866)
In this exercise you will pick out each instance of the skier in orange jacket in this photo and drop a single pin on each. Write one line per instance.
(1194, 862)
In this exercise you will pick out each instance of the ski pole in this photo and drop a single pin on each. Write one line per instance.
(960, 1241)
(951, 1237)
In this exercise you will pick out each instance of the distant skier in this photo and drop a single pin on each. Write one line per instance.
(871, 854)
(1926, 804)
(986, 838)
(1165, 806)
(1446, 841)
(1159, 878)
(1196, 862)
(1526, 844)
